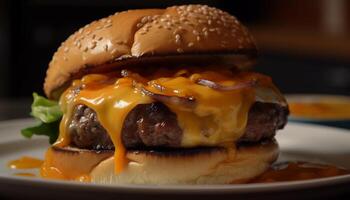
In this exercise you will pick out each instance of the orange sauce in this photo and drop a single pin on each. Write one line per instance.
(321, 110)
(25, 174)
(54, 168)
(279, 172)
(298, 171)
(25, 162)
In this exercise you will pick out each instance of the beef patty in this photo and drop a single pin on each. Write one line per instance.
(154, 125)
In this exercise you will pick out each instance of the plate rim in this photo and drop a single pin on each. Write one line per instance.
(204, 189)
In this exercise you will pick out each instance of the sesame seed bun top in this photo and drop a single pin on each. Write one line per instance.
(192, 32)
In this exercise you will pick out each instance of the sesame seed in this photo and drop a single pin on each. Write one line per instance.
(86, 49)
(113, 51)
(198, 38)
(106, 47)
(93, 36)
(144, 20)
(195, 32)
(190, 44)
(66, 49)
(93, 45)
(138, 25)
(100, 38)
(177, 38)
(223, 18)
(107, 25)
(180, 50)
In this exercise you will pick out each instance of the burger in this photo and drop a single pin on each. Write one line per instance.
(159, 96)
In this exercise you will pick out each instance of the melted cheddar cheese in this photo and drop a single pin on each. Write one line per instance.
(217, 117)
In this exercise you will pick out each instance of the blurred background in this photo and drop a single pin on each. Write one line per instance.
(304, 45)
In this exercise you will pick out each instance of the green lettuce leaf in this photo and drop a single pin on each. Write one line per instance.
(49, 115)
(45, 110)
(48, 129)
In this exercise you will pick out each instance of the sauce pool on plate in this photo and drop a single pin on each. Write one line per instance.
(25, 174)
(279, 172)
(25, 162)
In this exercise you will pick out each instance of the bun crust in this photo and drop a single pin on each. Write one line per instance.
(128, 36)
(205, 166)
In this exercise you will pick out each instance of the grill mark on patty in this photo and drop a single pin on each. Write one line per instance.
(155, 126)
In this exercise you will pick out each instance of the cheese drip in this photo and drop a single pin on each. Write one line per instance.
(111, 101)
(217, 117)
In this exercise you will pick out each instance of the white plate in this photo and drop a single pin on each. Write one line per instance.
(297, 142)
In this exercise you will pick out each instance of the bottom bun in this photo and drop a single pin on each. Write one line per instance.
(190, 166)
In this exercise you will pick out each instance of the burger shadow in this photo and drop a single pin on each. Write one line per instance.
(338, 159)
